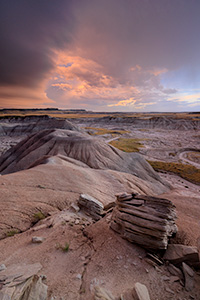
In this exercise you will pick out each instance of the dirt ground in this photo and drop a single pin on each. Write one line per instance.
(97, 255)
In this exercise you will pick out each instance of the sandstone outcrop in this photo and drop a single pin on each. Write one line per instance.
(22, 282)
(145, 220)
(189, 277)
(91, 206)
(177, 253)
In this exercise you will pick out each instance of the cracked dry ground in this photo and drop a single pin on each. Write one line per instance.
(96, 256)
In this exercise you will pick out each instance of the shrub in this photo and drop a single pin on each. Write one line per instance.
(38, 216)
(12, 232)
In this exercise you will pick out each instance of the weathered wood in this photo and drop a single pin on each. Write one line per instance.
(143, 215)
(139, 229)
(91, 206)
(140, 222)
(144, 209)
(146, 220)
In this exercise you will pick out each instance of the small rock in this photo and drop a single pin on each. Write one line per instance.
(150, 262)
(74, 207)
(141, 292)
(78, 276)
(77, 222)
(2, 267)
(37, 239)
(155, 258)
(102, 294)
(42, 226)
(198, 246)
(189, 277)
(158, 269)
(67, 218)
(91, 206)
(125, 267)
(177, 253)
(43, 277)
(174, 278)
(175, 271)
(169, 290)
(165, 278)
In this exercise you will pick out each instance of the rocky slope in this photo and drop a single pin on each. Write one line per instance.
(94, 153)
(16, 126)
(144, 123)
(55, 184)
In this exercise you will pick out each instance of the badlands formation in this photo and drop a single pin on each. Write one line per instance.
(81, 219)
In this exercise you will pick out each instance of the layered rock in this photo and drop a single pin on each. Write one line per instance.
(91, 151)
(177, 253)
(145, 220)
(17, 126)
(91, 206)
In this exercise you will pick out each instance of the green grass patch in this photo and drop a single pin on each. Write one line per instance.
(64, 248)
(102, 131)
(127, 145)
(12, 232)
(187, 172)
(38, 216)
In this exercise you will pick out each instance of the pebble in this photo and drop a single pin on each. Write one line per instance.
(77, 222)
(74, 207)
(78, 276)
(2, 267)
(165, 278)
(174, 278)
(169, 290)
(67, 218)
(37, 239)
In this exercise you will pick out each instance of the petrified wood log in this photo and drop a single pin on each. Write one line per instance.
(145, 220)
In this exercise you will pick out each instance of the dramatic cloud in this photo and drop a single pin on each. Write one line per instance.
(101, 55)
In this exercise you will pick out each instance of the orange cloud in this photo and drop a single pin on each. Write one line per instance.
(130, 101)
(20, 97)
(80, 78)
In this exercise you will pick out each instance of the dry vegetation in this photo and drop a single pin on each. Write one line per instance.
(102, 131)
(187, 172)
(84, 114)
(127, 145)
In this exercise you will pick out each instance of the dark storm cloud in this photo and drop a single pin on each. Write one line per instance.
(29, 31)
(109, 52)
(149, 33)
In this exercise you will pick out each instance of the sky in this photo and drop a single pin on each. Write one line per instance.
(108, 55)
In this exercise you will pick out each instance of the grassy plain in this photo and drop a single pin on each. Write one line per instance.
(127, 144)
(187, 172)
